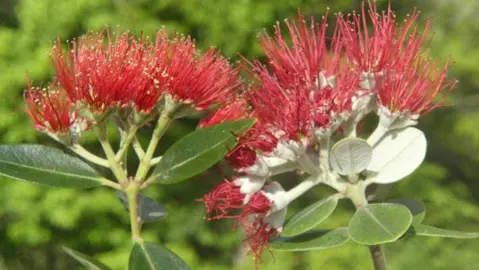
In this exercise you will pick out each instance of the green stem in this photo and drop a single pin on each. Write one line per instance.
(379, 259)
(138, 148)
(130, 136)
(135, 222)
(162, 125)
(110, 154)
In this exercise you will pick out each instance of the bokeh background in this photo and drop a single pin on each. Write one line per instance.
(35, 221)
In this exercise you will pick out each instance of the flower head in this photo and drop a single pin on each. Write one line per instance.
(49, 108)
(190, 76)
(101, 74)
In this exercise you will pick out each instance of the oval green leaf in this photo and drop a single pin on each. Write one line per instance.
(350, 156)
(147, 208)
(397, 155)
(198, 151)
(46, 165)
(152, 257)
(312, 240)
(85, 260)
(310, 216)
(380, 223)
(426, 230)
(416, 208)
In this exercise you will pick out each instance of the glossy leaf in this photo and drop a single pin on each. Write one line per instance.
(198, 151)
(153, 257)
(87, 261)
(350, 156)
(46, 165)
(426, 230)
(397, 155)
(380, 223)
(310, 216)
(148, 209)
(416, 208)
(312, 240)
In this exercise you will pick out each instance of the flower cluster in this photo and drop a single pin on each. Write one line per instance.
(100, 73)
(314, 88)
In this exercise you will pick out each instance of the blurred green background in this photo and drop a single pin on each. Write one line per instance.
(36, 221)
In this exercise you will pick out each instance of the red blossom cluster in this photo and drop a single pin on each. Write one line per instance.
(99, 73)
(309, 84)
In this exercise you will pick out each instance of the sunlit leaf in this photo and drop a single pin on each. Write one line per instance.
(310, 216)
(426, 230)
(350, 156)
(198, 151)
(380, 223)
(397, 155)
(46, 165)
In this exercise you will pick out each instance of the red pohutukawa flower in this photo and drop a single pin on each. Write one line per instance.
(312, 86)
(101, 73)
(49, 108)
(190, 76)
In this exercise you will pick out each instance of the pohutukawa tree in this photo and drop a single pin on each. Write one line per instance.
(300, 112)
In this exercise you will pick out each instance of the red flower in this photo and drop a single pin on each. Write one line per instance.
(416, 88)
(101, 75)
(227, 197)
(230, 111)
(189, 76)
(49, 109)
(283, 110)
(258, 234)
(306, 57)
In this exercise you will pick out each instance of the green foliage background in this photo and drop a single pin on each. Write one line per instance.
(35, 221)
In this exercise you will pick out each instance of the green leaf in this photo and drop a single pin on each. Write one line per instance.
(310, 216)
(416, 208)
(312, 240)
(350, 156)
(46, 165)
(148, 209)
(380, 223)
(397, 155)
(152, 257)
(198, 151)
(426, 230)
(87, 261)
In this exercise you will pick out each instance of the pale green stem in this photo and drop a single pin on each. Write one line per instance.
(155, 160)
(162, 125)
(126, 142)
(111, 184)
(79, 150)
(138, 148)
(82, 152)
(135, 221)
(110, 154)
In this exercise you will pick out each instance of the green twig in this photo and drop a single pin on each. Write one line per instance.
(109, 153)
(138, 148)
(135, 221)
(126, 142)
(379, 259)
(82, 152)
(162, 125)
